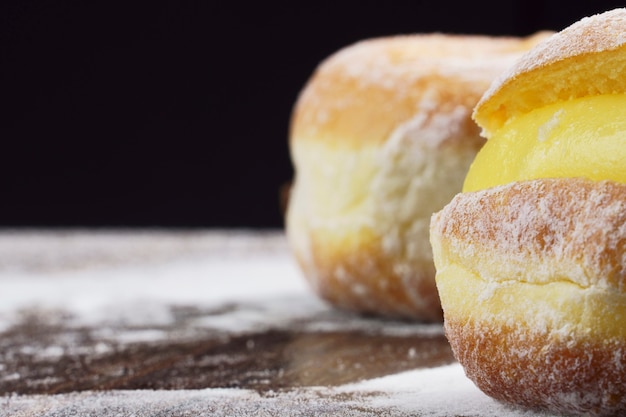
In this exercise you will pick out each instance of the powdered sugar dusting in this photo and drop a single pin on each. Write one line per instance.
(138, 296)
(438, 392)
(387, 61)
(600, 32)
(562, 372)
(548, 229)
(379, 82)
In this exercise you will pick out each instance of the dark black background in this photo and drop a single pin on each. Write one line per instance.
(176, 113)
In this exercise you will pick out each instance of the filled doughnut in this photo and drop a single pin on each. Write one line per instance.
(531, 256)
(381, 137)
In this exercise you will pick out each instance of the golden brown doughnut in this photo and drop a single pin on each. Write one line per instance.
(381, 137)
(532, 282)
(531, 257)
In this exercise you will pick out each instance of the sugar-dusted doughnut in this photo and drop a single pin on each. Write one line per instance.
(531, 256)
(381, 137)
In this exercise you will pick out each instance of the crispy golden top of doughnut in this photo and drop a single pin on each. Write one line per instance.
(560, 68)
(539, 231)
(366, 90)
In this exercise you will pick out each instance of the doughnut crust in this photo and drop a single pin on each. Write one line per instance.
(532, 281)
(586, 58)
(381, 137)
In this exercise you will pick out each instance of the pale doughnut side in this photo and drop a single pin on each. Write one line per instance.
(358, 223)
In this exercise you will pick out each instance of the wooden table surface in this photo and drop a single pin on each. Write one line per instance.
(157, 323)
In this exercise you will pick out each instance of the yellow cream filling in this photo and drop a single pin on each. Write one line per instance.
(585, 137)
